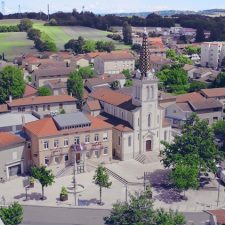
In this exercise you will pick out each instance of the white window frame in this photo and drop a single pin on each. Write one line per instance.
(105, 136)
(46, 143)
(96, 156)
(66, 140)
(107, 149)
(87, 139)
(56, 143)
(77, 140)
(96, 138)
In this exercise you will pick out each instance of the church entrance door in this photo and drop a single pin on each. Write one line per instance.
(148, 145)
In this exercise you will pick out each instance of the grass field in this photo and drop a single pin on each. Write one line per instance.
(14, 44)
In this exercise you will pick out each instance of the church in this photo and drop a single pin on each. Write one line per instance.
(138, 120)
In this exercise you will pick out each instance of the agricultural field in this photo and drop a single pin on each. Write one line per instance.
(15, 44)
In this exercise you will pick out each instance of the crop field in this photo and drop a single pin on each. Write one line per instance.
(15, 44)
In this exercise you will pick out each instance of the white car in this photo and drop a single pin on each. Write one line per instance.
(222, 176)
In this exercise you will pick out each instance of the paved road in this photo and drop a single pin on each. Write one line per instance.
(36, 215)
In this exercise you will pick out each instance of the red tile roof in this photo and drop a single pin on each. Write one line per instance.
(94, 105)
(46, 127)
(214, 92)
(188, 97)
(4, 108)
(8, 139)
(117, 55)
(110, 96)
(29, 91)
(220, 215)
(41, 100)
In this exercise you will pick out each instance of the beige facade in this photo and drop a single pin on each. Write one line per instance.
(57, 151)
(102, 66)
(212, 54)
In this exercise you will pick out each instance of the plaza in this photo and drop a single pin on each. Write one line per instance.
(129, 180)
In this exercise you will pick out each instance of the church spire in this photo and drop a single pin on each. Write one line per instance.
(145, 56)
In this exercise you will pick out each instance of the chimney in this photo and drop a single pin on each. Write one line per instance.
(23, 120)
(10, 98)
(71, 94)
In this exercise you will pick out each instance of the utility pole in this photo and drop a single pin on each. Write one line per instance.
(19, 11)
(3, 7)
(48, 13)
(218, 195)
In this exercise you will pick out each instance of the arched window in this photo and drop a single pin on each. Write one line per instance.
(129, 141)
(148, 92)
(122, 115)
(152, 92)
(165, 135)
(149, 120)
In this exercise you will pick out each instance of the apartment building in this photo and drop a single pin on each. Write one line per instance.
(212, 54)
(56, 142)
(114, 62)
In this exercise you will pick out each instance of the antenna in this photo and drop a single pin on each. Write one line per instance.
(48, 12)
(83, 8)
(3, 7)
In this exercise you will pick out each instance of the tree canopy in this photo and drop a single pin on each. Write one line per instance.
(127, 34)
(219, 81)
(44, 91)
(25, 24)
(12, 215)
(86, 72)
(44, 176)
(11, 83)
(200, 36)
(178, 58)
(101, 178)
(139, 211)
(195, 146)
(174, 79)
(197, 86)
(75, 85)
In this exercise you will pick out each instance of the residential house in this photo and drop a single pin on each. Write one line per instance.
(104, 80)
(206, 109)
(57, 87)
(30, 91)
(56, 142)
(217, 217)
(41, 76)
(114, 62)
(190, 70)
(158, 62)
(161, 52)
(43, 105)
(13, 156)
(93, 107)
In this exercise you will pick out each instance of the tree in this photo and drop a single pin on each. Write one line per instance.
(223, 64)
(128, 83)
(139, 211)
(137, 48)
(25, 24)
(219, 81)
(185, 176)
(75, 45)
(44, 91)
(195, 146)
(126, 73)
(219, 131)
(11, 83)
(178, 59)
(12, 215)
(44, 176)
(192, 50)
(200, 36)
(197, 86)
(75, 85)
(34, 34)
(89, 46)
(174, 79)
(115, 85)
(86, 72)
(127, 33)
(101, 178)
(107, 46)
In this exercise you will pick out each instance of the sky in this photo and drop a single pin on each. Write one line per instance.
(111, 6)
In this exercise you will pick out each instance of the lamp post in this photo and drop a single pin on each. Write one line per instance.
(74, 178)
